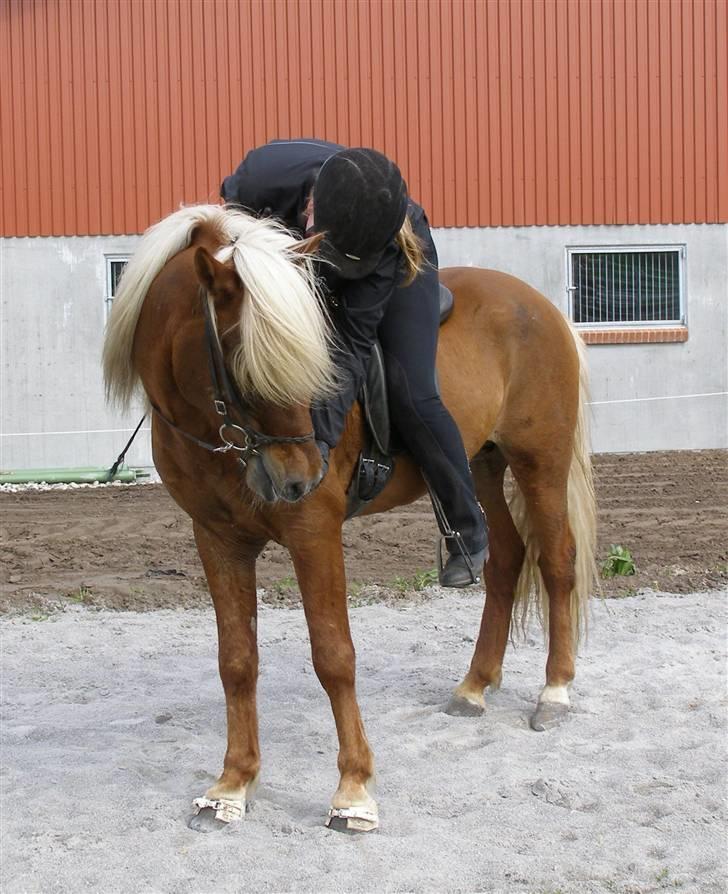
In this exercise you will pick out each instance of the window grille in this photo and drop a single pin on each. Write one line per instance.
(114, 268)
(626, 286)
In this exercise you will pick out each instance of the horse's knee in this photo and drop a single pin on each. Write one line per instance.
(238, 673)
(334, 664)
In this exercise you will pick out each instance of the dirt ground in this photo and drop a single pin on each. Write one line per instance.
(132, 547)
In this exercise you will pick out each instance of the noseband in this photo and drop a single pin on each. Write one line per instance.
(226, 397)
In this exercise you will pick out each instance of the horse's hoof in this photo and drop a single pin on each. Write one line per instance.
(548, 715)
(206, 821)
(459, 706)
(339, 824)
(214, 814)
(351, 820)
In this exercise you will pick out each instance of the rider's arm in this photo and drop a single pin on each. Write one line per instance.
(275, 180)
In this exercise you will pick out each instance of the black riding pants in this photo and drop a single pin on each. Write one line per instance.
(408, 333)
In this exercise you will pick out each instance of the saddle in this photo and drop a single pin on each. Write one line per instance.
(376, 460)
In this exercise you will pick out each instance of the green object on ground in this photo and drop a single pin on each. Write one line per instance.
(70, 476)
(618, 562)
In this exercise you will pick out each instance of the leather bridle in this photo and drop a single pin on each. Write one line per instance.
(226, 397)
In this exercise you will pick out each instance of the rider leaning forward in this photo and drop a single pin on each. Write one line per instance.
(383, 274)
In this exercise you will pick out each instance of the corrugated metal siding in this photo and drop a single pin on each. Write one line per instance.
(500, 112)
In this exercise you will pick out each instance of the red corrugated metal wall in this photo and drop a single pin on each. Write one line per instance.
(500, 112)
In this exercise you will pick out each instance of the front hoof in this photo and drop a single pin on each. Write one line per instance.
(214, 814)
(548, 715)
(206, 821)
(460, 706)
(353, 819)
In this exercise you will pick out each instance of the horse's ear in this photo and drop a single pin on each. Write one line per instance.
(308, 246)
(220, 281)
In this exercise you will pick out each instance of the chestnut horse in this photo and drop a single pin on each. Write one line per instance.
(511, 372)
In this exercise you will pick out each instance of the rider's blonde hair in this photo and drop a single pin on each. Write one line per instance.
(412, 249)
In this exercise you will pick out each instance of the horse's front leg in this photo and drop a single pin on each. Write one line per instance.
(230, 571)
(319, 563)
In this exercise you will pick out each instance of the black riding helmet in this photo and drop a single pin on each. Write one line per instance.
(360, 202)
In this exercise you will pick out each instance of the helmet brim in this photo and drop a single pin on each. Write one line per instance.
(346, 266)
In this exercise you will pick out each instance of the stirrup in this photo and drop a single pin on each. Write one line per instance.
(456, 538)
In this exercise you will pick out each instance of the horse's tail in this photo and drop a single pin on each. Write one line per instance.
(582, 514)
(159, 244)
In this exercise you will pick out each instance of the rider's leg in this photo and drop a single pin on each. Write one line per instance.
(408, 334)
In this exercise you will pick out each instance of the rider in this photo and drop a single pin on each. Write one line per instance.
(383, 275)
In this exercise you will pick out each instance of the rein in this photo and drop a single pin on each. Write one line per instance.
(224, 395)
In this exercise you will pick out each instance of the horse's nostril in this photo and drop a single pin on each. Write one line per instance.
(294, 491)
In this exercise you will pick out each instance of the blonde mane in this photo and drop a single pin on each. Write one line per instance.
(284, 349)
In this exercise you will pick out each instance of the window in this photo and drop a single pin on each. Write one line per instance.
(114, 268)
(626, 288)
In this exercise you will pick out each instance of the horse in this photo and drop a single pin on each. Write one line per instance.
(212, 295)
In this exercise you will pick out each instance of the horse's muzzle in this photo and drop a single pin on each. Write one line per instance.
(274, 483)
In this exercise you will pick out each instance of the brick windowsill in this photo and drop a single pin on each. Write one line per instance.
(633, 336)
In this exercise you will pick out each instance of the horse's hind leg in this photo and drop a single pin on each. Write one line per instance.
(501, 574)
(230, 571)
(544, 487)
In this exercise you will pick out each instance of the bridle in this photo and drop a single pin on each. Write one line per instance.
(226, 397)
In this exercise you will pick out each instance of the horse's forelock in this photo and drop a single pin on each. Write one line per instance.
(284, 350)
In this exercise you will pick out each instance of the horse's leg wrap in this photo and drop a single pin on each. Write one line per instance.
(353, 809)
(359, 818)
(226, 809)
(217, 808)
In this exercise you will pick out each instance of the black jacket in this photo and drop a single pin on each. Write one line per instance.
(276, 180)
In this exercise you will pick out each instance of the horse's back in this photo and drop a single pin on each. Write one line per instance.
(509, 307)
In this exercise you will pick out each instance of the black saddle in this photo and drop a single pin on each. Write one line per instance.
(376, 460)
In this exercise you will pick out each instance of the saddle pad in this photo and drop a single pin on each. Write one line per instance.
(447, 302)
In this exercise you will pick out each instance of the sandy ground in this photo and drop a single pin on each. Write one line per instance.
(112, 722)
(132, 547)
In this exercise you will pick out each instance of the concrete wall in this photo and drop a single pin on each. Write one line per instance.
(52, 317)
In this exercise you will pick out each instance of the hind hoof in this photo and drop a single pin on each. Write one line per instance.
(548, 715)
(459, 706)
